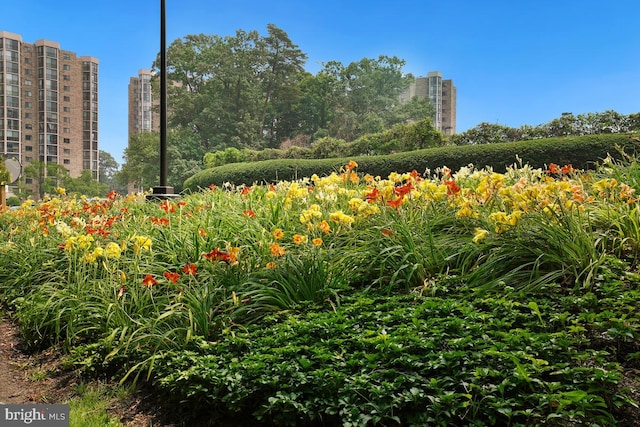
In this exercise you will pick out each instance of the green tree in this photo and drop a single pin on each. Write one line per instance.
(46, 176)
(414, 110)
(282, 65)
(367, 89)
(141, 168)
(85, 185)
(184, 156)
(108, 168)
(4, 173)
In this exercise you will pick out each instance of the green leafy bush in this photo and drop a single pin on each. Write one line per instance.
(583, 152)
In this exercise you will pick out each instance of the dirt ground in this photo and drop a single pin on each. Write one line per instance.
(40, 378)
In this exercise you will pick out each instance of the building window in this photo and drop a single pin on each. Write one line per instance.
(66, 77)
(28, 82)
(66, 67)
(27, 137)
(66, 130)
(29, 180)
(66, 109)
(66, 99)
(28, 105)
(28, 148)
(27, 93)
(66, 88)
(66, 57)
(28, 126)
(66, 151)
(28, 115)
(66, 140)
(66, 161)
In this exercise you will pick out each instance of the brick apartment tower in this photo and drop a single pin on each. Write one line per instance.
(143, 114)
(441, 94)
(48, 106)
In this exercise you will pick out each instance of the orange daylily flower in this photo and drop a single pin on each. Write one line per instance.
(299, 239)
(217, 255)
(249, 213)
(190, 269)
(452, 187)
(160, 221)
(172, 276)
(167, 206)
(149, 281)
(395, 203)
(324, 226)
(373, 195)
(277, 250)
(403, 190)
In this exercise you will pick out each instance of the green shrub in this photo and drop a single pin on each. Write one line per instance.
(583, 152)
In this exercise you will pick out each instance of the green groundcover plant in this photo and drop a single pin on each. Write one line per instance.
(457, 297)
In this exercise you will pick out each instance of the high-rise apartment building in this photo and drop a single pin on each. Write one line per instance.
(441, 94)
(48, 106)
(143, 116)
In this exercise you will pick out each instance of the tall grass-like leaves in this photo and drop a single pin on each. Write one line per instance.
(405, 249)
(303, 279)
(552, 246)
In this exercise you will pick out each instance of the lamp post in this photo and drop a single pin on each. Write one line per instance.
(163, 191)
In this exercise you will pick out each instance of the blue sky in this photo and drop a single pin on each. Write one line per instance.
(514, 62)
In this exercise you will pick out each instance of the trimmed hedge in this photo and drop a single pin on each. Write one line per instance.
(583, 152)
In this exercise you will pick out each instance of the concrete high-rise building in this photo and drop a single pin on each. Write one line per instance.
(143, 114)
(48, 106)
(441, 94)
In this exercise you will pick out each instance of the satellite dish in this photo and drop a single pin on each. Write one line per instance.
(14, 167)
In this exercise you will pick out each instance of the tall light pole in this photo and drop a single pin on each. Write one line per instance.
(163, 191)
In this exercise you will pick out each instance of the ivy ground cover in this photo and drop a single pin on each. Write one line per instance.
(464, 297)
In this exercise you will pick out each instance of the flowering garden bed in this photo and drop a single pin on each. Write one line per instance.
(455, 297)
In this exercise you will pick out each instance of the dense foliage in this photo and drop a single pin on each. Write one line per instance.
(583, 152)
(567, 124)
(251, 91)
(454, 297)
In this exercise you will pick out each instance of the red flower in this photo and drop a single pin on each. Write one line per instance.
(553, 168)
(395, 203)
(245, 191)
(212, 187)
(452, 187)
(386, 232)
(149, 281)
(217, 255)
(160, 221)
(567, 169)
(373, 195)
(111, 195)
(403, 190)
(171, 276)
(249, 213)
(190, 269)
(167, 206)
